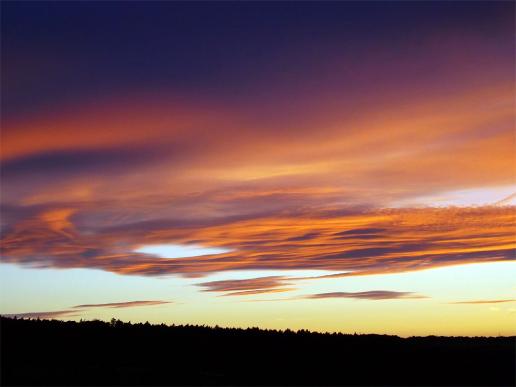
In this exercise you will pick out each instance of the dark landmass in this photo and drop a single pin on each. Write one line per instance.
(42, 352)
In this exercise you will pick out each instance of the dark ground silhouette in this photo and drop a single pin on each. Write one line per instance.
(53, 352)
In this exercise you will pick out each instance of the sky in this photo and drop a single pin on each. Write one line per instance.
(332, 166)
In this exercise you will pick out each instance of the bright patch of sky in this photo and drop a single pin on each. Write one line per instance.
(180, 251)
(502, 195)
(24, 289)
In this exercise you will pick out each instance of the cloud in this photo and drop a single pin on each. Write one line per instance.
(78, 309)
(246, 287)
(127, 304)
(366, 295)
(483, 301)
(68, 163)
(259, 291)
(308, 236)
(302, 194)
(45, 315)
(369, 295)
(360, 233)
(410, 240)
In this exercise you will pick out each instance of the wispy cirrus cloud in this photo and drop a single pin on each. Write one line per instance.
(259, 291)
(45, 315)
(77, 310)
(275, 284)
(473, 302)
(364, 295)
(369, 295)
(245, 287)
(127, 304)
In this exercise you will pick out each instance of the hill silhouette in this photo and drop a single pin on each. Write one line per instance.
(51, 352)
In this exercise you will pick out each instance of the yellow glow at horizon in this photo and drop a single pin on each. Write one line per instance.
(435, 315)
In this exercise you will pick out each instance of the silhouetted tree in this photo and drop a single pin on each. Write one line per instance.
(93, 353)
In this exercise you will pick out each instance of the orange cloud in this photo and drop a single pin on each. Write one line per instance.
(84, 188)
(120, 122)
(357, 243)
(208, 147)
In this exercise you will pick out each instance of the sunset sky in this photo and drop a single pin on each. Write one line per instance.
(339, 166)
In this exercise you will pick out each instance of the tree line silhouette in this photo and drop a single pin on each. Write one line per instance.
(52, 352)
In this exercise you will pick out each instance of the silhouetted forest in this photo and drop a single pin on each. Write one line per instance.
(42, 352)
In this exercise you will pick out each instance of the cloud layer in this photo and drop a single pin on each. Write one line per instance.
(355, 243)
(315, 168)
